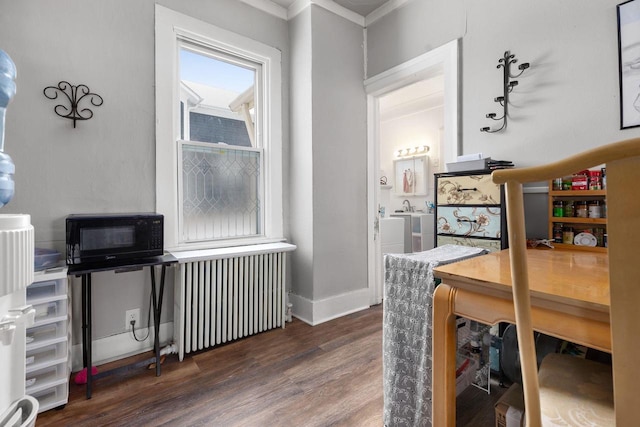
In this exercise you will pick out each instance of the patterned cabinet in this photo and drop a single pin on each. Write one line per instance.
(470, 210)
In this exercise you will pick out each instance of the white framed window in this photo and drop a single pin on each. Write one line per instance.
(218, 135)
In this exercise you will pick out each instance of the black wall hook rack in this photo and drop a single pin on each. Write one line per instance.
(508, 85)
(74, 95)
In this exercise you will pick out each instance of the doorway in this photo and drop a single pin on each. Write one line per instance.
(394, 93)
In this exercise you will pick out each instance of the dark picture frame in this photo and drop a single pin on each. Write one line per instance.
(629, 62)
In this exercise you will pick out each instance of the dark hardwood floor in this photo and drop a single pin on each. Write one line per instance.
(327, 375)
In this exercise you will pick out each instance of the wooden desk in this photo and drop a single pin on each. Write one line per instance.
(569, 298)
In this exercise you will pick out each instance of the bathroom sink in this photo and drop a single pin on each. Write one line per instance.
(410, 213)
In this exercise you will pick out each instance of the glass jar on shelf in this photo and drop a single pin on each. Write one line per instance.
(558, 208)
(594, 209)
(557, 232)
(567, 235)
(582, 209)
(567, 209)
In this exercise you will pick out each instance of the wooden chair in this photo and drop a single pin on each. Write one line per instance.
(622, 161)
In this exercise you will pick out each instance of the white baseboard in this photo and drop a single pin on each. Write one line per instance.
(119, 346)
(320, 311)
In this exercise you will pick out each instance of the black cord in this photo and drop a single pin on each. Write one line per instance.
(133, 328)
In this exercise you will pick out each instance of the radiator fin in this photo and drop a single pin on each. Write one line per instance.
(222, 300)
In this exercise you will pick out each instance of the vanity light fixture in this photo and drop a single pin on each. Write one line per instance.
(412, 151)
(508, 85)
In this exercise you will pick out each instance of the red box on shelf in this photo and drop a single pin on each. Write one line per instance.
(580, 181)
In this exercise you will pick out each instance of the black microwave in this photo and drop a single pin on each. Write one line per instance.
(111, 238)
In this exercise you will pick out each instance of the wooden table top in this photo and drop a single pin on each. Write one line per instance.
(576, 278)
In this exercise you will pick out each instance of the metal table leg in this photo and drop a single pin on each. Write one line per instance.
(86, 330)
(157, 311)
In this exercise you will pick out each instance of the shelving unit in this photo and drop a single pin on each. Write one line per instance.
(418, 231)
(422, 232)
(474, 348)
(48, 362)
(579, 224)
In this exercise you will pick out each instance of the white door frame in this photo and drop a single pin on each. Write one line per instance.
(440, 61)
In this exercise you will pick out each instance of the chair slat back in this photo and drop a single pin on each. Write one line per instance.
(623, 229)
(622, 160)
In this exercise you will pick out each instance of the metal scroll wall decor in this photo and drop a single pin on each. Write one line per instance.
(75, 95)
(508, 85)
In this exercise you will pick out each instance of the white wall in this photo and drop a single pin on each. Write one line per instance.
(410, 130)
(566, 102)
(106, 164)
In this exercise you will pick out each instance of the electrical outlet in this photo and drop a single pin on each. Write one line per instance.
(132, 316)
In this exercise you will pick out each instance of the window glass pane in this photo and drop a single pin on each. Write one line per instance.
(220, 192)
(218, 91)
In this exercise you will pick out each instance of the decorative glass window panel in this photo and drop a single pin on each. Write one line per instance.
(221, 192)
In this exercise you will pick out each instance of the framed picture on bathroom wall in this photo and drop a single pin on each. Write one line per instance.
(411, 176)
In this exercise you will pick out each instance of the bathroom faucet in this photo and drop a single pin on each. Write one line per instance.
(408, 207)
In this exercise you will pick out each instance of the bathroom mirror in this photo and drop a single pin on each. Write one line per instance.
(411, 175)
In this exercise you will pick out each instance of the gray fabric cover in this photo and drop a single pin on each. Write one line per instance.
(406, 339)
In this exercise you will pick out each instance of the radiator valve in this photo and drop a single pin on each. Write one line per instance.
(289, 312)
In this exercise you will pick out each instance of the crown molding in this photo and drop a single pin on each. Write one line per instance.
(297, 7)
(268, 7)
(386, 8)
(300, 5)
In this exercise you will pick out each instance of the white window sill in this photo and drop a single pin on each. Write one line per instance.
(229, 252)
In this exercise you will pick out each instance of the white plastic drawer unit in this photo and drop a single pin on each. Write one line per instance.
(50, 311)
(468, 190)
(45, 356)
(48, 348)
(46, 290)
(47, 377)
(52, 397)
(47, 333)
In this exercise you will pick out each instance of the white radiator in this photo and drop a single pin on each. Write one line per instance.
(225, 295)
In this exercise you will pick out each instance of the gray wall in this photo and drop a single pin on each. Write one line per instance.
(106, 164)
(566, 102)
(328, 126)
(411, 30)
(301, 182)
(339, 155)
